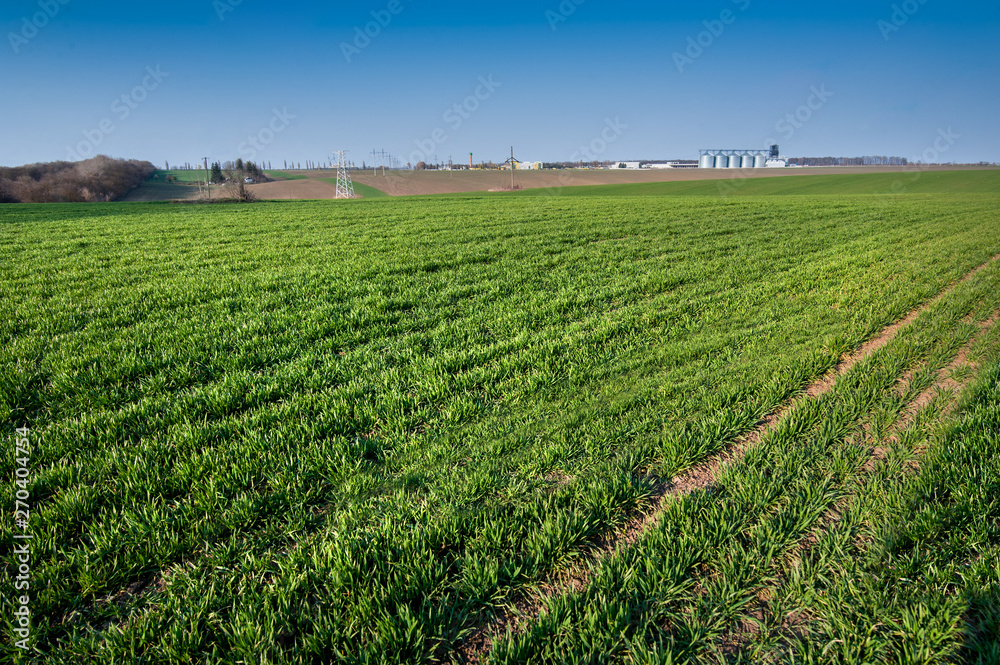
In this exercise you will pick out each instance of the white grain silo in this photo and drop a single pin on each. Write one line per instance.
(747, 161)
(759, 160)
(735, 161)
(707, 161)
(721, 160)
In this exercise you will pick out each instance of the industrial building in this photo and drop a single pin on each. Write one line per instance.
(671, 165)
(741, 159)
(633, 166)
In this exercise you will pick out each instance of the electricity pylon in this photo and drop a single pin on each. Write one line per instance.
(345, 188)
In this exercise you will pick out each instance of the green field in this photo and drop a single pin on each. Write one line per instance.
(285, 175)
(365, 191)
(158, 189)
(182, 175)
(154, 190)
(361, 431)
(885, 184)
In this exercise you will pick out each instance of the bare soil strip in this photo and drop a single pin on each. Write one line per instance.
(524, 608)
(945, 383)
(295, 189)
(409, 183)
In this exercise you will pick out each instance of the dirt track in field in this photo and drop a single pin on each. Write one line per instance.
(701, 477)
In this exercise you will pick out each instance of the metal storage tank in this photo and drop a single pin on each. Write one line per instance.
(721, 161)
(735, 161)
(760, 161)
(706, 162)
(747, 161)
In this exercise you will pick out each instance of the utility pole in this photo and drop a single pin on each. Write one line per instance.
(208, 179)
(512, 168)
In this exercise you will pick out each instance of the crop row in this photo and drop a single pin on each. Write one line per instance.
(725, 571)
(311, 431)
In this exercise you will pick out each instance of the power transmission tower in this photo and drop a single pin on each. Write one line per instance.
(345, 187)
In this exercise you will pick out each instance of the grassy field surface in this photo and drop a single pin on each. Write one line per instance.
(885, 184)
(413, 183)
(157, 190)
(284, 175)
(181, 175)
(303, 185)
(821, 545)
(364, 430)
(365, 191)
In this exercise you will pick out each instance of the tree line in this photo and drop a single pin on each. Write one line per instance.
(234, 176)
(232, 171)
(870, 160)
(99, 178)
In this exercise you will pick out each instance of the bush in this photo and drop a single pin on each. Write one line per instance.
(100, 178)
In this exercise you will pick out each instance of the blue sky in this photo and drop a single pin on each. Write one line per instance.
(564, 79)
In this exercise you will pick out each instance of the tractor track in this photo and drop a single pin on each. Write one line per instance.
(523, 608)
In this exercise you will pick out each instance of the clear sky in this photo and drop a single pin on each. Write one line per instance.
(558, 79)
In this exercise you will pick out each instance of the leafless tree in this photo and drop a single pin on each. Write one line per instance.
(236, 182)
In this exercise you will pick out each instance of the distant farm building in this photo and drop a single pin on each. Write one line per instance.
(634, 166)
(672, 165)
(742, 159)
